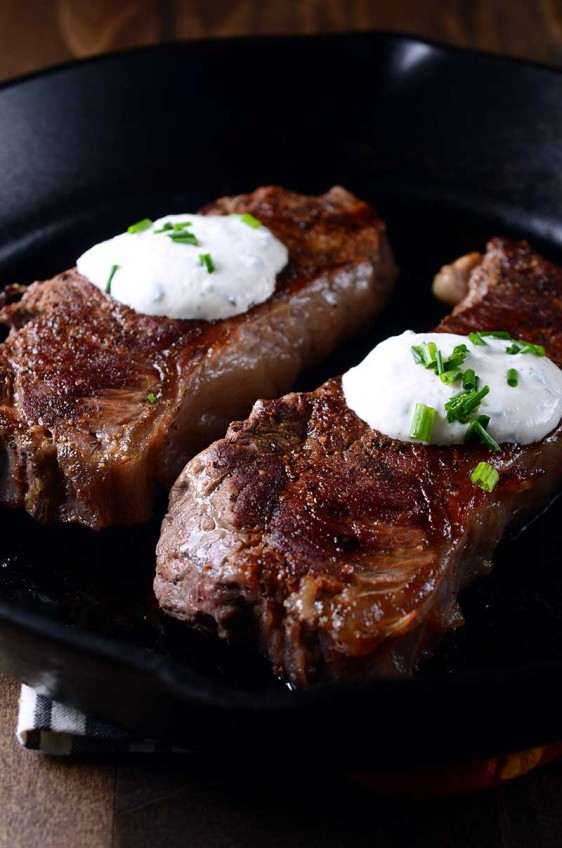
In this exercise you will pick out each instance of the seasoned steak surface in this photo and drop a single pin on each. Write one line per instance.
(79, 438)
(337, 550)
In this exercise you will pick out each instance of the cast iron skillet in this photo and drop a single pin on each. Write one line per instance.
(453, 147)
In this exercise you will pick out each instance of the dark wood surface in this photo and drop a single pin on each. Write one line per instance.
(44, 32)
(141, 801)
(154, 800)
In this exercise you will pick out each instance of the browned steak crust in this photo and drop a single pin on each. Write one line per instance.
(340, 551)
(79, 440)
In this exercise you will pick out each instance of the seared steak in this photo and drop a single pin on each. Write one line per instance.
(339, 551)
(80, 439)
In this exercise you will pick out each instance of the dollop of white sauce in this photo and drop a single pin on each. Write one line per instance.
(159, 276)
(384, 389)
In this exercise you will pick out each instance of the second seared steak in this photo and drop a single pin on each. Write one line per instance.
(336, 550)
(100, 407)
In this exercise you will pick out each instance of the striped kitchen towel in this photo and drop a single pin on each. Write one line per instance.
(55, 728)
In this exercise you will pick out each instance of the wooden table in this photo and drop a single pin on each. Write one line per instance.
(175, 800)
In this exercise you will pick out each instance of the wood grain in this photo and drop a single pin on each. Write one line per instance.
(60, 30)
(40, 33)
(531, 30)
(90, 28)
(48, 802)
(29, 42)
(278, 805)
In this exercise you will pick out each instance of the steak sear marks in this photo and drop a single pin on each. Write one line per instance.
(80, 440)
(336, 550)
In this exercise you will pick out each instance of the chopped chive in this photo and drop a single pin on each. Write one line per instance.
(486, 438)
(471, 435)
(151, 397)
(458, 356)
(205, 259)
(453, 406)
(430, 353)
(422, 422)
(165, 227)
(179, 227)
(537, 350)
(449, 377)
(472, 402)
(477, 338)
(470, 380)
(184, 237)
(140, 226)
(114, 268)
(512, 378)
(522, 346)
(248, 219)
(516, 346)
(485, 476)
(463, 404)
(417, 354)
(495, 334)
(476, 432)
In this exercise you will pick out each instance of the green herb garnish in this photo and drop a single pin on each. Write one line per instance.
(449, 377)
(470, 380)
(458, 356)
(477, 337)
(516, 346)
(248, 219)
(114, 269)
(485, 476)
(495, 334)
(179, 227)
(183, 237)
(205, 259)
(151, 397)
(140, 226)
(428, 355)
(512, 378)
(462, 405)
(417, 354)
(521, 346)
(422, 422)
(476, 432)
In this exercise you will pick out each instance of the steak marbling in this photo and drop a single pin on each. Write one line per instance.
(339, 551)
(79, 440)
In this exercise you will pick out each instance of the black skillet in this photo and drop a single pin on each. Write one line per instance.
(453, 147)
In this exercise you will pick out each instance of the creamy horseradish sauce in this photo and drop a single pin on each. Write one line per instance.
(520, 391)
(188, 266)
